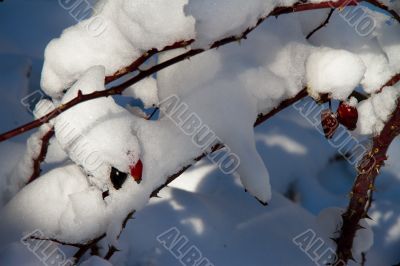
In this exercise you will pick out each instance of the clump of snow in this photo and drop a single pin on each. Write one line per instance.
(224, 18)
(206, 95)
(145, 90)
(42, 204)
(352, 102)
(336, 72)
(266, 86)
(128, 29)
(347, 25)
(151, 24)
(375, 111)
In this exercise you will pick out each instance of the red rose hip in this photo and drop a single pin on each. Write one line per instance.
(136, 171)
(347, 115)
(329, 123)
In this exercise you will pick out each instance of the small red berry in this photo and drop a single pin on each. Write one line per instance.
(136, 171)
(347, 115)
(329, 123)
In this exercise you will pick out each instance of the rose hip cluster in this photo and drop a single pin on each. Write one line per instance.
(346, 115)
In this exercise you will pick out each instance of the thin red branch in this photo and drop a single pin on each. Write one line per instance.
(393, 81)
(323, 24)
(143, 58)
(42, 155)
(263, 117)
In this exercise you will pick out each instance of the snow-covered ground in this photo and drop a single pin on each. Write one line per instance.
(208, 210)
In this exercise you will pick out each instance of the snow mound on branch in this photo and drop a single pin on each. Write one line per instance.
(336, 72)
(97, 134)
(145, 90)
(224, 18)
(339, 34)
(375, 111)
(207, 95)
(120, 31)
(116, 34)
(41, 205)
(74, 201)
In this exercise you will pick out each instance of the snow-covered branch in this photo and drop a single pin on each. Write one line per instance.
(297, 7)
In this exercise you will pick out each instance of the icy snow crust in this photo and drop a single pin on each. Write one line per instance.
(227, 88)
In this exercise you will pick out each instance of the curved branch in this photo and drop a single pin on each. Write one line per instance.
(362, 191)
(42, 155)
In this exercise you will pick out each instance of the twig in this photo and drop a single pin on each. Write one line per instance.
(152, 114)
(263, 117)
(391, 82)
(322, 25)
(143, 58)
(42, 155)
(84, 248)
(363, 259)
